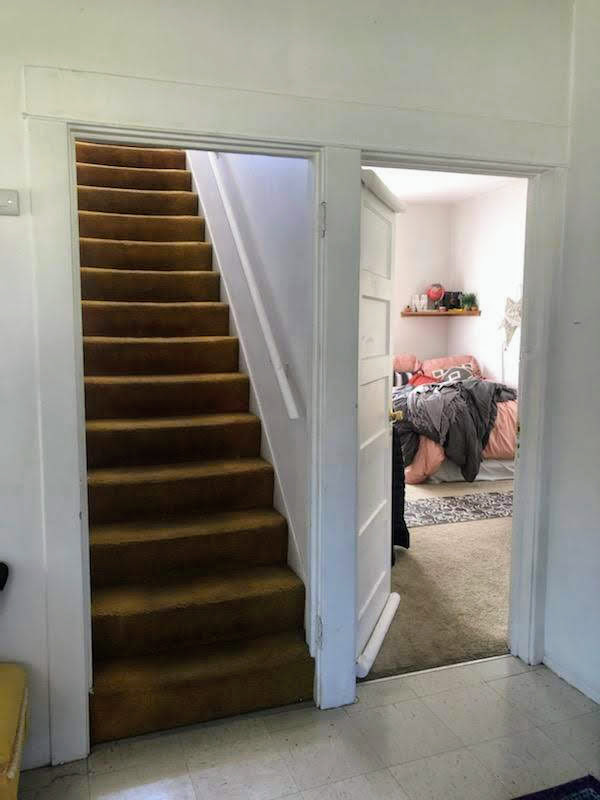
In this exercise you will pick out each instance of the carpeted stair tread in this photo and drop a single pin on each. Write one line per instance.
(141, 227)
(133, 396)
(172, 439)
(200, 663)
(147, 319)
(113, 253)
(129, 155)
(198, 684)
(134, 178)
(136, 619)
(136, 201)
(145, 551)
(168, 473)
(143, 355)
(199, 526)
(101, 283)
(199, 590)
(167, 490)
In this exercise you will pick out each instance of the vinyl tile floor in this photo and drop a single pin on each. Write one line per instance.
(488, 730)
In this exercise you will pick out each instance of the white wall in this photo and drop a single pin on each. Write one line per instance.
(475, 244)
(488, 247)
(272, 203)
(423, 257)
(572, 632)
(503, 65)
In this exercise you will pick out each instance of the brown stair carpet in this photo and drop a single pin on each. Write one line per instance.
(195, 613)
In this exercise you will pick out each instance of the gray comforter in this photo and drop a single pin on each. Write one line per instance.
(458, 415)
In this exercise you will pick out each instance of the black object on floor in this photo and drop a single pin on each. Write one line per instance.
(587, 788)
(400, 533)
(3, 574)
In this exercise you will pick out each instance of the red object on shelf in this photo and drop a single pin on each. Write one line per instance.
(435, 292)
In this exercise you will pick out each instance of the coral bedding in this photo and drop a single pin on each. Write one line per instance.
(430, 455)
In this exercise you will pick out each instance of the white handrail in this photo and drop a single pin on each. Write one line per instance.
(278, 366)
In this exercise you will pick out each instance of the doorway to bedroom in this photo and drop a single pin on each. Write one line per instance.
(442, 258)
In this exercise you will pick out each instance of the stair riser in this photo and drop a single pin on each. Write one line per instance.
(135, 201)
(158, 499)
(114, 716)
(243, 618)
(145, 255)
(139, 228)
(109, 401)
(159, 358)
(124, 156)
(129, 178)
(151, 560)
(168, 445)
(160, 287)
(129, 320)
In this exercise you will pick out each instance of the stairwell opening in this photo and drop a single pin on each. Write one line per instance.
(198, 599)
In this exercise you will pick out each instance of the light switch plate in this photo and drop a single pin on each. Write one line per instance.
(9, 202)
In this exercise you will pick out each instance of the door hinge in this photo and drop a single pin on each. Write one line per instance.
(319, 632)
(323, 219)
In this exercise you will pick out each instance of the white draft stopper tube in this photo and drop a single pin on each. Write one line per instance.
(365, 661)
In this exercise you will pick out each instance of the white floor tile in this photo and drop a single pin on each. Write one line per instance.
(162, 750)
(581, 738)
(477, 713)
(229, 775)
(501, 668)
(379, 785)
(317, 755)
(543, 696)
(143, 783)
(297, 718)
(450, 776)
(244, 734)
(405, 732)
(527, 762)
(381, 693)
(442, 680)
(67, 787)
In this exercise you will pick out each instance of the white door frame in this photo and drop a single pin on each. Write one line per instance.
(542, 263)
(59, 104)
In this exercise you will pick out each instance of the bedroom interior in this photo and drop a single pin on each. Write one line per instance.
(455, 320)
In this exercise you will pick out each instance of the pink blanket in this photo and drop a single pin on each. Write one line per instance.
(501, 444)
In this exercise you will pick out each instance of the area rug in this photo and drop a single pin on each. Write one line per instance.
(582, 789)
(468, 508)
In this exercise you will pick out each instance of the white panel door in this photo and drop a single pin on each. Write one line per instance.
(374, 400)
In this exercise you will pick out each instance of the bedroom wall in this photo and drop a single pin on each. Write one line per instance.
(423, 257)
(488, 246)
(465, 58)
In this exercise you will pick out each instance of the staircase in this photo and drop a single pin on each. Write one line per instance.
(195, 613)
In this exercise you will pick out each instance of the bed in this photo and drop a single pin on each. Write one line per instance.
(430, 462)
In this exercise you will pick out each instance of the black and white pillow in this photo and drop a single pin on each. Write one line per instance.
(402, 378)
(458, 373)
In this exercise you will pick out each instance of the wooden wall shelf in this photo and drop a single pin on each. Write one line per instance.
(452, 313)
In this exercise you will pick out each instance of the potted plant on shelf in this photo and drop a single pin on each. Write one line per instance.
(469, 301)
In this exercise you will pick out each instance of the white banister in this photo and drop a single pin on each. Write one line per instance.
(278, 366)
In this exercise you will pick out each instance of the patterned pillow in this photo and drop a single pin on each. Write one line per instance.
(459, 373)
(402, 378)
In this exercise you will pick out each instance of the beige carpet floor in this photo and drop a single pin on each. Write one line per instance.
(453, 584)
